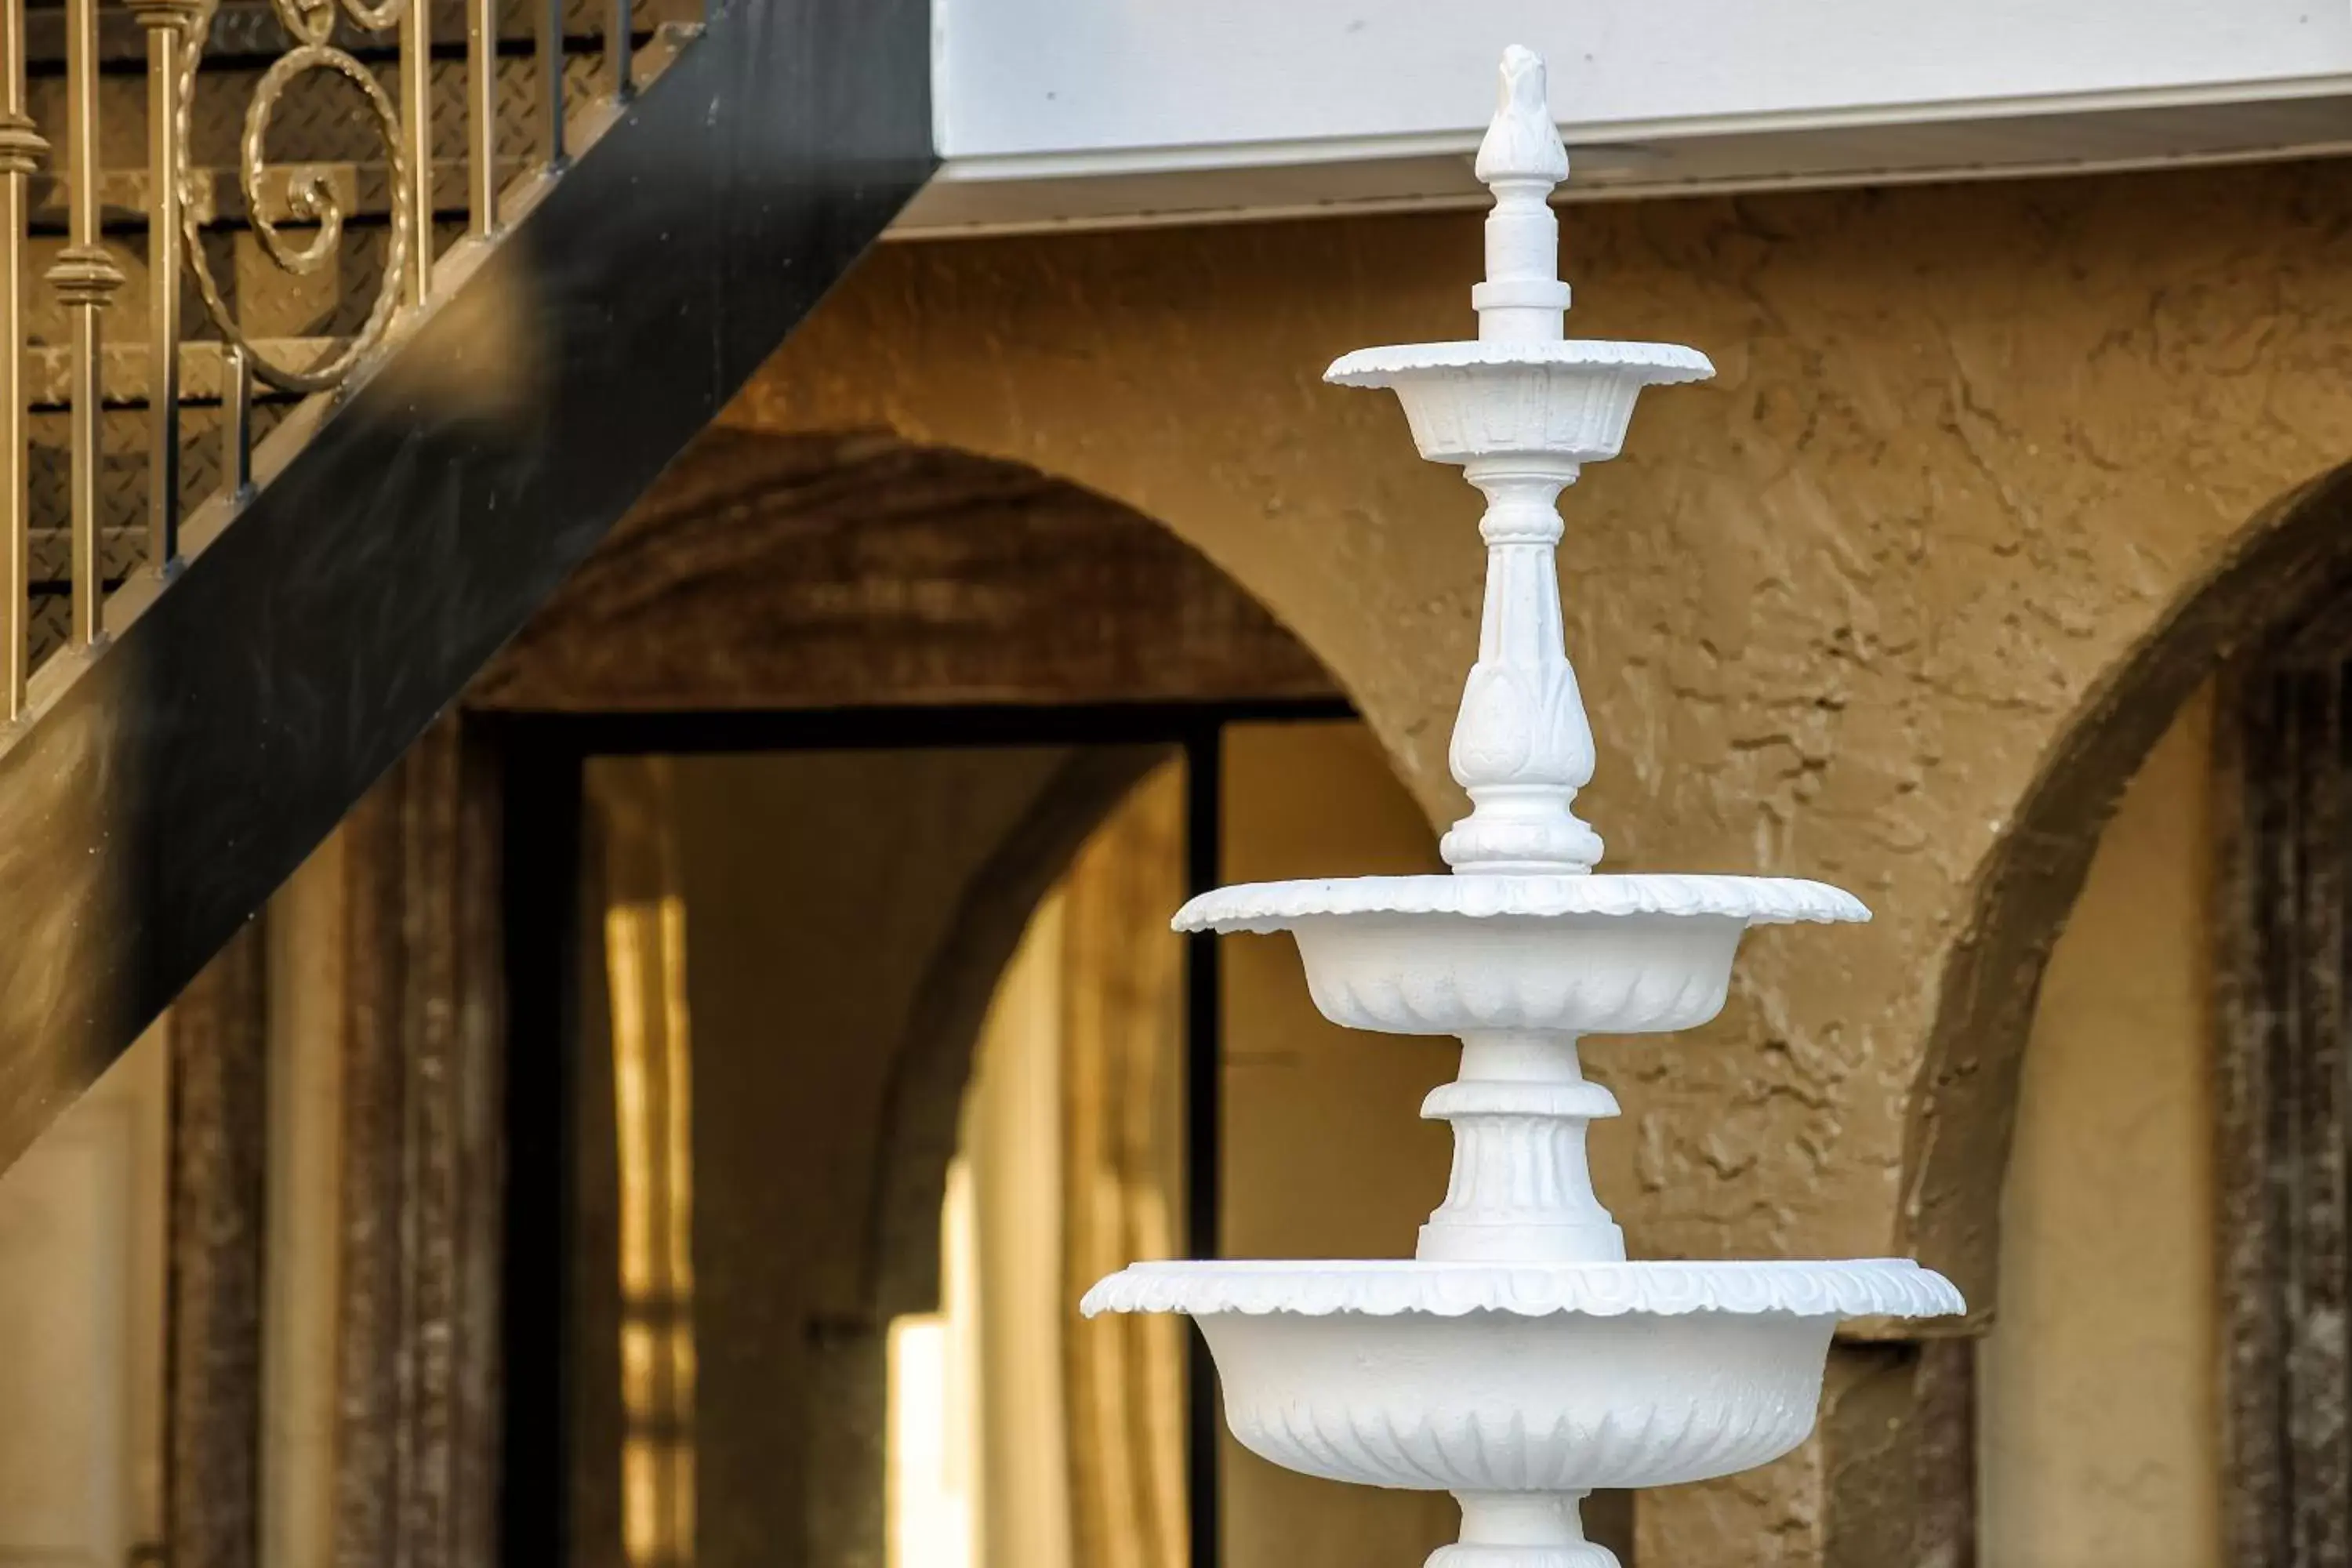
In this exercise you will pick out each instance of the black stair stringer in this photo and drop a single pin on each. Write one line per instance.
(184, 772)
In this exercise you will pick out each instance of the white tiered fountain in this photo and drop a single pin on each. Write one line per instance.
(1517, 1360)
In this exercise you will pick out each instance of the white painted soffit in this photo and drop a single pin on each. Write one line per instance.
(1063, 113)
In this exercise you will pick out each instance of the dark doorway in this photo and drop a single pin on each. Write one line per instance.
(560, 1248)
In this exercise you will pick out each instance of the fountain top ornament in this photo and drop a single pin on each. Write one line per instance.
(1517, 1359)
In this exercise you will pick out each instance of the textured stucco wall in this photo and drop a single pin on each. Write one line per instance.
(2101, 1433)
(1832, 611)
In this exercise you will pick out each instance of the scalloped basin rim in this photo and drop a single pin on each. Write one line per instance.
(1658, 364)
(1865, 1287)
(1262, 907)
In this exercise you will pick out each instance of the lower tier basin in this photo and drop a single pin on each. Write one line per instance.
(1511, 1379)
(1491, 1402)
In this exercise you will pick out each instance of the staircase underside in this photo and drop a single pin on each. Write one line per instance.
(185, 772)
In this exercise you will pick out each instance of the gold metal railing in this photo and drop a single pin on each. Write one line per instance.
(20, 153)
(348, 236)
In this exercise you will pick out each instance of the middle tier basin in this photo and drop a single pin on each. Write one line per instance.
(1448, 974)
(1566, 954)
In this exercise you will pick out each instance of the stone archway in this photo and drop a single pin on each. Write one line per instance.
(844, 570)
(811, 575)
(1899, 1429)
(840, 573)
(2292, 558)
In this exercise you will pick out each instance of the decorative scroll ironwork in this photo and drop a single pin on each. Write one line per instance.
(310, 200)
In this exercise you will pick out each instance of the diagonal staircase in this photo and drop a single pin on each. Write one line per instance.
(565, 239)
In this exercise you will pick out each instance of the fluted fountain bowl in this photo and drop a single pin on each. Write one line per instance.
(1570, 398)
(1491, 1403)
(1570, 954)
(1552, 1378)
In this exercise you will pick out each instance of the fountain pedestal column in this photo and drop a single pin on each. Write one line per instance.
(1521, 1190)
(1522, 1529)
(1522, 746)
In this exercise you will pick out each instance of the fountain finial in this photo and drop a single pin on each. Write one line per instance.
(1521, 158)
(1521, 143)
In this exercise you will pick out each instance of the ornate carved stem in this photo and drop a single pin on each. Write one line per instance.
(1522, 746)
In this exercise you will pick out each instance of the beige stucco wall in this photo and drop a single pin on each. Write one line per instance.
(2100, 1437)
(1832, 610)
(83, 1225)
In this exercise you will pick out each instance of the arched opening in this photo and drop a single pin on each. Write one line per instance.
(2091, 1148)
(906, 683)
(785, 957)
(871, 699)
(728, 852)
(2289, 563)
(1015, 1433)
(1320, 1157)
(617, 1047)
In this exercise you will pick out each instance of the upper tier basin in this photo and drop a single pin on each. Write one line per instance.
(1572, 399)
(1568, 955)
